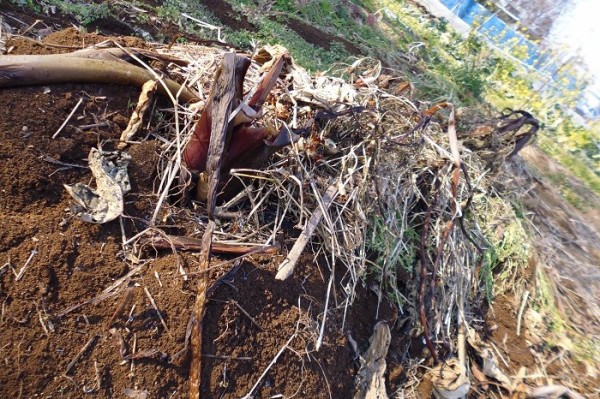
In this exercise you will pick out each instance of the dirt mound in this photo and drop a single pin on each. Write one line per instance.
(63, 41)
(53, 262)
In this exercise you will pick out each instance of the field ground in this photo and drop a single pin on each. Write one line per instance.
(249, 316)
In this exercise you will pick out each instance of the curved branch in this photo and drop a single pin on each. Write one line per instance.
(27, 70)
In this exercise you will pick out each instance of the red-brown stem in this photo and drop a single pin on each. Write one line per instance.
(246, 139)
(266, 85)
(196, 151)
(423, 256)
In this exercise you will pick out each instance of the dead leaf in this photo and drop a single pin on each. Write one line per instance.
(450, 380)
(370, 379)
(137, 118)
(105, 203)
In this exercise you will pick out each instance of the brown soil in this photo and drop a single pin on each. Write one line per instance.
(501, 321)
(228, 16)
(74, 262)
(316, 36)
(575, 233)
(66, 40)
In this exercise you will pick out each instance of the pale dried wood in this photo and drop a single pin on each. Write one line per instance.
(371, 376)
(183, 243)
(286, 268)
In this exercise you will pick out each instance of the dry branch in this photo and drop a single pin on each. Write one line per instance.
(194, 244)
(28, 70)
(286, 268)
(222, 104)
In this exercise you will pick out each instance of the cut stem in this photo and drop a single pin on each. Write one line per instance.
(28, 70)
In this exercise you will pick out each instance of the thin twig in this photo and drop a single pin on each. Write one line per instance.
(85, 347)
(121, 306)
(49, 159)
(205, 25)
(236, 303)
(194, 244)
(124, 278)
(94, 300)
(266, 370)
(327, 296)
(24, 268)
(41, 318)
(162, 321)
(68, 118)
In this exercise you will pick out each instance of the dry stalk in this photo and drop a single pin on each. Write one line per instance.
(61, 127)
(286, 268)
(21, 272)
(222, 106)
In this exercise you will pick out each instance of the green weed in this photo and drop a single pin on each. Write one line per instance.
(392, 256)
(84, 12)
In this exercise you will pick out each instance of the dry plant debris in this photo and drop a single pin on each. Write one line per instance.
(369, 170)
(370, 377)
(105, 203)
(375, 184)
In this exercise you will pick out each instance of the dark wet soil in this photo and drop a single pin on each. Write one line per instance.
(228, 16)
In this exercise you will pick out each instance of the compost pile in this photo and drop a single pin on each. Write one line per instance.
(339, 177)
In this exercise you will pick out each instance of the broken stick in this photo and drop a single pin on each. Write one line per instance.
(286, 268)
(222, 103)
(193, 244)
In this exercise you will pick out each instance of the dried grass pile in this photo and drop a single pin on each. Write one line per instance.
(377, 187)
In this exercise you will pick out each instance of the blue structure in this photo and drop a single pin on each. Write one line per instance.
(500, 32)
